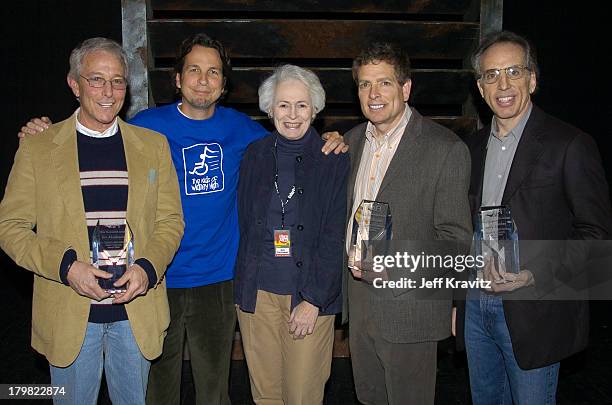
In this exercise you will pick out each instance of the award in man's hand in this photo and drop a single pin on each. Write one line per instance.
(112, 249)
(496, 239)
(372, 222)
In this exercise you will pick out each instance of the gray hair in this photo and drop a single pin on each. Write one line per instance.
(506, 37)
(267, 90)
(93, 45)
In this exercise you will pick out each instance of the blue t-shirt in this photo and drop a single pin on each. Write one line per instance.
(206, 155)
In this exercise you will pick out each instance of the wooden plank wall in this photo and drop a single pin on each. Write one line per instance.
(323, 35)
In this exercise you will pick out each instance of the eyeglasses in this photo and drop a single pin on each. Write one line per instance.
(118, 83)
(512, 72)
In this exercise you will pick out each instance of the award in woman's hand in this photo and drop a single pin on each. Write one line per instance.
(372, 222)
(112, 250)
(496, 240)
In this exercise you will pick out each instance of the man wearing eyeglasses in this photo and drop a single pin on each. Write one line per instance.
(94, 171)
(550, 175)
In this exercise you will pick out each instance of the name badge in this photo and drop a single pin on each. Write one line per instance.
(282, 243)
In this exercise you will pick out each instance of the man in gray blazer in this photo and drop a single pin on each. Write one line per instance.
(421, 170)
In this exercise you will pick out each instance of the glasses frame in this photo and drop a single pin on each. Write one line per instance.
(89, 81)
(505, 70)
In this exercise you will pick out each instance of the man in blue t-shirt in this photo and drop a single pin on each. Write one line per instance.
(207, 142)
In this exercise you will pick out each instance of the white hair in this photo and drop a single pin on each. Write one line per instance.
(283, 73)
(93, 45)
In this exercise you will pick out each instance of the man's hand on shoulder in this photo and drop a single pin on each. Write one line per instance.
(83, 278)
(34, 126)
(334, 142)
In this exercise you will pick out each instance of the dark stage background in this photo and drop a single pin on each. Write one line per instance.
(573, 43)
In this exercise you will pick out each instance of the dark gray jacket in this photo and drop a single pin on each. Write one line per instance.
(426, 186)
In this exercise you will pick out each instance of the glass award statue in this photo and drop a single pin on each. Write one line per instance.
(496, 239)
(372, 222)
(112, 250)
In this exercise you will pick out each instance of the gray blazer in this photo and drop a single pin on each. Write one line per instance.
(426, 186)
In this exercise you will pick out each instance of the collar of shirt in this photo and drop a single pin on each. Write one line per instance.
(178, 107)
(110, 131)
(516, 132)
(394, 133)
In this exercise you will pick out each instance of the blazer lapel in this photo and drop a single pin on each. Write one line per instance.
(528, 152)
(407, 152)
(478, 152)
(65, 161)
(356, 151)
(140, 174)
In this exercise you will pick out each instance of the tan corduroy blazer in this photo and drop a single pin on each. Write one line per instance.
(42, 215)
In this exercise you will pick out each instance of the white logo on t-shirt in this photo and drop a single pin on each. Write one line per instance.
(203, 166)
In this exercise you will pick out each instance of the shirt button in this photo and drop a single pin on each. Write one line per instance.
(298, 159)
(259, 222)
(300, 190)
(299, 264)
(300, 227)
(503, 148)
(499, 176)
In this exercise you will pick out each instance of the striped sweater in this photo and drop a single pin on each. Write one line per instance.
(104, 185)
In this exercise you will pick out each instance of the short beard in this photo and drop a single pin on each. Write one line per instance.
(204, 105)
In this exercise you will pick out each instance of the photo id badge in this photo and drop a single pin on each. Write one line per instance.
(282, 243)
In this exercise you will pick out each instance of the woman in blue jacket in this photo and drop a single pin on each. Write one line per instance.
(292, 211)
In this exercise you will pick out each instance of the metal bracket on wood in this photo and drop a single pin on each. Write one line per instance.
(491, 16)
(134, 31)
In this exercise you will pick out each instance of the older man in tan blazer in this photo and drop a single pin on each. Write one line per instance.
(92, 169)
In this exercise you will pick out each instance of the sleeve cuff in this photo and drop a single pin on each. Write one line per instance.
(69, 257)
(306, 297)
(149, 269)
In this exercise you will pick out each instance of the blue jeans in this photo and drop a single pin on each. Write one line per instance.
(110, 346)
(495, 376)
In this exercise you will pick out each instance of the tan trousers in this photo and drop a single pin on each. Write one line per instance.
(283, 370)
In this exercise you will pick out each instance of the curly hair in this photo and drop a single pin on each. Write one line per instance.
(267, 90)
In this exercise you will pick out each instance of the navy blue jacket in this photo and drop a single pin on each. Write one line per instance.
(317, 243)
